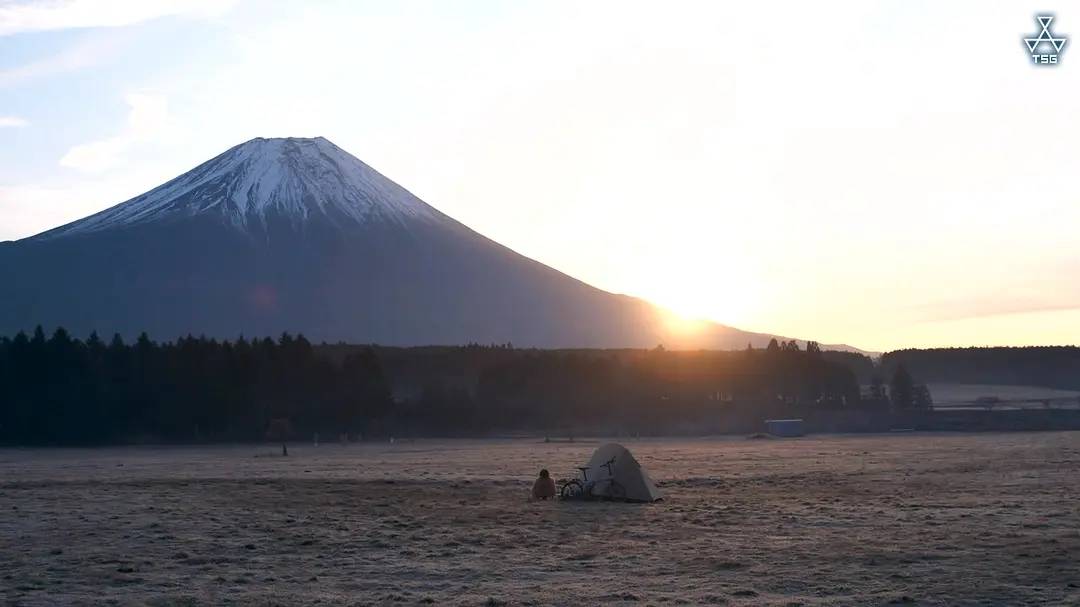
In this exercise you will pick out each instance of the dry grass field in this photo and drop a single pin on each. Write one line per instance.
(988, 519)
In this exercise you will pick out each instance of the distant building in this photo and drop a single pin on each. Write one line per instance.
(784, 427)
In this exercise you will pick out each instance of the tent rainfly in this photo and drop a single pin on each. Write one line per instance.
(626, 480)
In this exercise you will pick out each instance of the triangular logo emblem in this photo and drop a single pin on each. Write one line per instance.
(1040, 44)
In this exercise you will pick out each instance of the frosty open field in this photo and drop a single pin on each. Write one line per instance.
(846, 520)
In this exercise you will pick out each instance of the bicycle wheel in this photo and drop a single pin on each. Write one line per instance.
(572, 490)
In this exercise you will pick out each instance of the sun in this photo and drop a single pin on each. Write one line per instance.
(682, 325)
(691, 308)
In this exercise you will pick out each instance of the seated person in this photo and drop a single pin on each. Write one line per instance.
(544, 487)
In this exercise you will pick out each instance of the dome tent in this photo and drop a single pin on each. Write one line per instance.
(617, 475)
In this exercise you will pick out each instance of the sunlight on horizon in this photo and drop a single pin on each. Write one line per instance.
(682, 326)
(641, 151)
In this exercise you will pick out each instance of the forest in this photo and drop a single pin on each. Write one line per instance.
(1047, 366)
(60, 390)
(57, 389)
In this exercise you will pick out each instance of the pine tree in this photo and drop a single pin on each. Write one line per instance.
(902, 389)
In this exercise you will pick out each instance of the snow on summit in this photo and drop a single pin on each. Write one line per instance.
(298, 179)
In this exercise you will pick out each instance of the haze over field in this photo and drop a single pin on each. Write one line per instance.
(901, 194)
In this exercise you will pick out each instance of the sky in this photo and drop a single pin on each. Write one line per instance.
(881, 174)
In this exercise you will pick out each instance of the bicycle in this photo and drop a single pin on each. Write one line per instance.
(600, 489)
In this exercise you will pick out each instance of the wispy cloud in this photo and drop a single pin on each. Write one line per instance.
(19, 17)
(148, 121)
(12, 121)
(81, 55)
(31, 209)
(1000, 304)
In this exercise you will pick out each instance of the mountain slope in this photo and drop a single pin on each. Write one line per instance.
(297, 235)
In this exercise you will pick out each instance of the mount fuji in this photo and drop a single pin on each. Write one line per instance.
(298, 235)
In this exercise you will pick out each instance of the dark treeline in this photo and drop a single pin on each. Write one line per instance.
(61, 390)
(484, 389)
(1050, 366)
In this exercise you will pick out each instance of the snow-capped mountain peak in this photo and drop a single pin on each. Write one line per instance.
(295, 178)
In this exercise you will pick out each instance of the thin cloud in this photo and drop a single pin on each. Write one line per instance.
(32, 209)
(20, 17)
(976, 308)
(12, 122)
(83, 54)
(148, 122)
